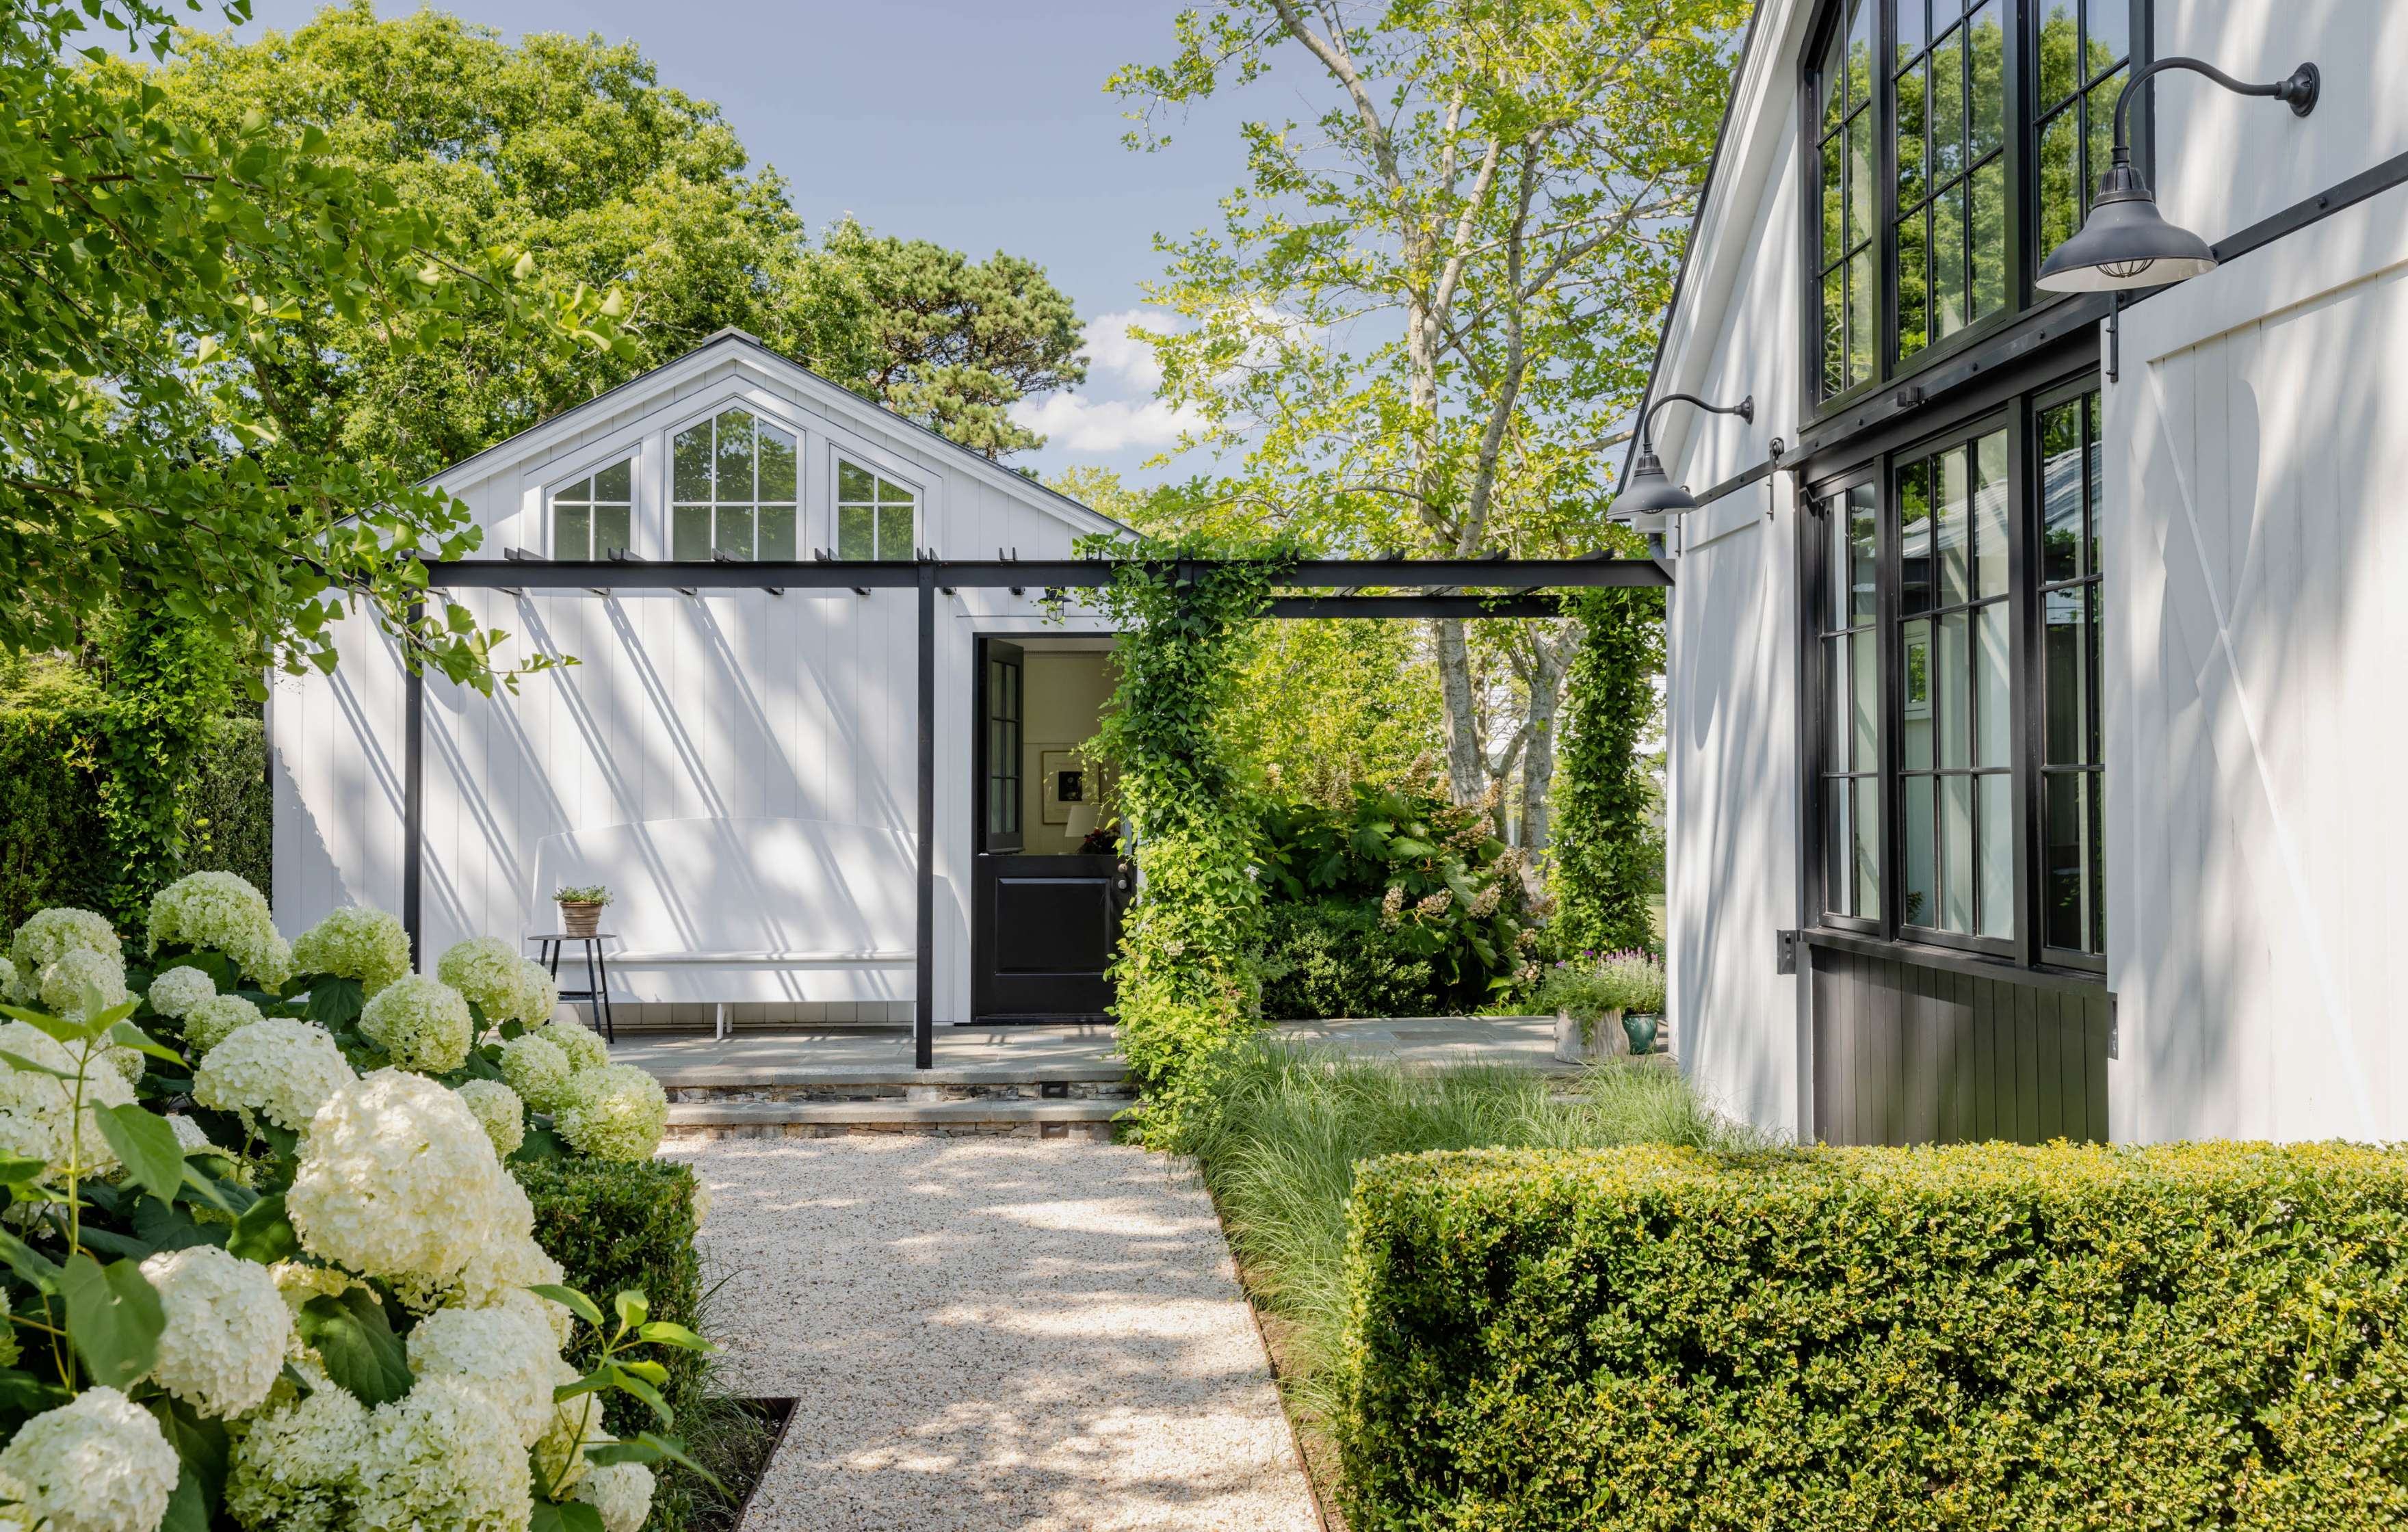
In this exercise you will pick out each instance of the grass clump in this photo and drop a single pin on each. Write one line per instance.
(1292, 1126)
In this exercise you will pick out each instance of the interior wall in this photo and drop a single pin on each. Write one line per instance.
(1063, 699)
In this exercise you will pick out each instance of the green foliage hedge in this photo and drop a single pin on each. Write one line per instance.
(613, 1225)
(1607, 860)
(1336, 957)
(1974, 1337)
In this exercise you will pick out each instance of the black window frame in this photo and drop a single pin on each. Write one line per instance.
(2045, 384)
(2022, 210)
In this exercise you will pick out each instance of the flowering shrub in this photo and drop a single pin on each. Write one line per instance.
(1589, 987)
(219, 913)
(535, 1067)
(616, 1112)
(501, 984)
(50, 934)
(421, 1024)
(80, 973)
(367, 945)
(333, 1278)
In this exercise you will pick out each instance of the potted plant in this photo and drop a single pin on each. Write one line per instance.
(580, 908)
(1597, 1000)
(1641, 979)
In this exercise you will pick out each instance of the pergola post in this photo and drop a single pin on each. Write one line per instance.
(413, 799)
(923, 971)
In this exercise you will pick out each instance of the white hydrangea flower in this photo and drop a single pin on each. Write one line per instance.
(64, 983)
(34, 1106)
(616, 1112)
(499, 1112)
(50, 934)
(175, 993)
(298, 1467)
(217, 911)
(535, 1068)
(506, 1354)
(216, 1019)
(190, 1135)
(505, 986)
(227, 1329)
(542, 993)
(274, 1067)
(701, 1201)
(8, 991)
(397, 1179)
(96, 1464)
(28, 1107)
(560, 1456)
(580, 1044)
(353, 942)
(620, 1493)
(441, 1456)
(422, 1023)
(530, 1263)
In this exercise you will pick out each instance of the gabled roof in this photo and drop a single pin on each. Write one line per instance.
(823, 390)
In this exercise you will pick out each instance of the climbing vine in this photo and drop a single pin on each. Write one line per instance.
(167, 678)
(1608, 858)
(1184, 983)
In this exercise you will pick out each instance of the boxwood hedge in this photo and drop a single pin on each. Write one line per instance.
(1970, 1338)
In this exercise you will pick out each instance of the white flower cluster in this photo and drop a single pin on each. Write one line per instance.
(96, 1464)
(38, 1116)
(351, 943)
(278, 1068)
(8, 980)
(535, 1068)
(422, 1023)
(228, 1328)
(505, 986)
(83, 972)
(498, 1110)
(397, 1179)
(581, 1046)
(50, 934)
(216, 1019)
(616, 1112)
(440, 1456)
(620, 1493)
(175, 993)
(297, 1470)
(509, 1356)
(217, 911)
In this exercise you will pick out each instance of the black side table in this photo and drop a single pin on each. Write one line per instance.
(596, 992)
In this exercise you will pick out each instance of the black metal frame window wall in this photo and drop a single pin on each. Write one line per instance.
(1956, 142)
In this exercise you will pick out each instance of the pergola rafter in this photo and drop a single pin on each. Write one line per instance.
(1461, 588)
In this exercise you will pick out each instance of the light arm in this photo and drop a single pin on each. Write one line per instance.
(2300, 90)
(1745, 410)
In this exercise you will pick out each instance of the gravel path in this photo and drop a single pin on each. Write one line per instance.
(1011, 1336)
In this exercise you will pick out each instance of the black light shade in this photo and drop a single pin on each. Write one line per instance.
(1649, 493)
(2124, 243)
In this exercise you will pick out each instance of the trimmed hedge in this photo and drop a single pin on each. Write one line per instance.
(1972, 1338)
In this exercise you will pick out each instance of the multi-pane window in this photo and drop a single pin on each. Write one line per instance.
(595, 514)
(1847, 288)
(873, 515)
(2073, 915)
(2084, 45)
(1956, 725)
(1849, 621)
(734, 490)
(1949, 83)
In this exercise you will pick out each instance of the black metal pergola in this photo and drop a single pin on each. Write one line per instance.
(1449, 587)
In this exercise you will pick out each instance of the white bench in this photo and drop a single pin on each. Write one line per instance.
(722, 911)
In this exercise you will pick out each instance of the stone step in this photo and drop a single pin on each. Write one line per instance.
(889, 1085)
(1089, 1119)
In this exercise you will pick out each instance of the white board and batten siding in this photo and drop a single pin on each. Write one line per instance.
(723, 707)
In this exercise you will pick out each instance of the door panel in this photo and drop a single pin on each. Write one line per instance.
(1000, 710)
(1046, 929)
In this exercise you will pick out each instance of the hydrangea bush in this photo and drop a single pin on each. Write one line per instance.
(309, 1297)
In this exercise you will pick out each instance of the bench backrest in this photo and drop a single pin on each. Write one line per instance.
(800, 887)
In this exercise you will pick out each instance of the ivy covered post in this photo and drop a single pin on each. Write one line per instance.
(1184, 986)
(168, 676)
(1608, 858)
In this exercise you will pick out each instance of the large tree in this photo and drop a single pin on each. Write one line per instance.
(572, 148)
(1432, 303)
(160, 280)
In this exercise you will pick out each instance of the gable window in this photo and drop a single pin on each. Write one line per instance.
(595, 515)
(734, 490)
(873, 515)
(1956, 579)
(1924, 115)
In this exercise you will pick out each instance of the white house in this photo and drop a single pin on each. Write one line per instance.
(2031, 706)
(738, 767)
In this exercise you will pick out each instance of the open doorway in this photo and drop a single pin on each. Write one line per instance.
(1047, 889)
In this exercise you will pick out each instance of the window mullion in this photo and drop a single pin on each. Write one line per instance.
(1884, 231)
(1888, 637)
(2023, 693)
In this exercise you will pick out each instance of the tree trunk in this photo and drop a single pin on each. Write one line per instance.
(1466, 775)
(1538, 754)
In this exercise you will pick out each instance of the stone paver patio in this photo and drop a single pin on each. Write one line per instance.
(1008, 1336)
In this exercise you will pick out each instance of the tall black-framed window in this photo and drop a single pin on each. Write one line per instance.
(1958, 777)
(1955, 143)
(2073, 914)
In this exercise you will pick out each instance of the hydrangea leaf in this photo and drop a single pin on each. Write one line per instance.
(127, 1034)
(16, 1170)
(203, 1446)
(668, 1334)
(540, 1143)
(263, 1233)
(30, 1264)
(567, 1516)
(148, 1146)
(113, 1317)
(355, 1342)
(334, 1002)
(569, 1298)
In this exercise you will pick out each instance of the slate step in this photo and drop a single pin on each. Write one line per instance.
(1089, 1119)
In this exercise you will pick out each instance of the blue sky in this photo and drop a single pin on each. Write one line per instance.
(980, 125)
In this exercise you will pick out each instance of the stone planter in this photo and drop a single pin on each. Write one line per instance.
(580, 917)
(1605, 1038)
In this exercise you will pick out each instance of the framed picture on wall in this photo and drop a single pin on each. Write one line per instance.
(1065, 781)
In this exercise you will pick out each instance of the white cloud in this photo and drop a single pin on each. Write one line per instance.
(1073, 423)
(1113, 353)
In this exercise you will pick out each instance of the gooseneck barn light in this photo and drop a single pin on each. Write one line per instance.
(1649, 498)
(2124, 243)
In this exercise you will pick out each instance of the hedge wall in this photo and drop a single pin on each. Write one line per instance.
(1965, 1338)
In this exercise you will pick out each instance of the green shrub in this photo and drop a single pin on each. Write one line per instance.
(1588, 988)
(619, 1226)
(230, 825)
(53, 847)
(1966, 1338)
(1327, 957)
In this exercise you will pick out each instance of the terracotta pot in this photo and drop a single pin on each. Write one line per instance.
(580, 917)
(1605, 1038)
